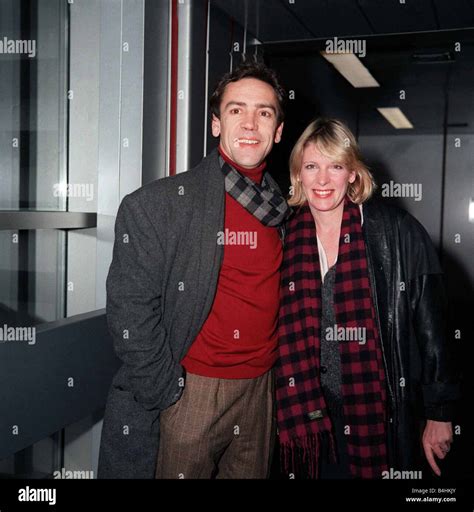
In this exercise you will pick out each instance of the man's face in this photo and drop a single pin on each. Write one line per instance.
(248, 122)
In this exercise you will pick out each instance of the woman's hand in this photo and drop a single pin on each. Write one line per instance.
(437, 439)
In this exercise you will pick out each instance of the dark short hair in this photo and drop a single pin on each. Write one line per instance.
(249, 69)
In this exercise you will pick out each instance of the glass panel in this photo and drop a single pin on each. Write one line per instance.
(32, 267)
(33, 101)
(33, 174)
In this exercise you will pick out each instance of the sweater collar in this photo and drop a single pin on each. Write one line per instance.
(254, 174)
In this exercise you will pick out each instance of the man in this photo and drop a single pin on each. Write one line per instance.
(192, 303)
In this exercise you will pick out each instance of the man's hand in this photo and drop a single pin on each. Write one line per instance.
(437, 439)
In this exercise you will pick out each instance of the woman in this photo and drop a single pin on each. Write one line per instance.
(363, 356)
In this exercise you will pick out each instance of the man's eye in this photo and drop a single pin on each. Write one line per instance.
(235, 111)
(265, 113)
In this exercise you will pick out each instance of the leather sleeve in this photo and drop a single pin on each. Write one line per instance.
(428, 304)
(439, 382)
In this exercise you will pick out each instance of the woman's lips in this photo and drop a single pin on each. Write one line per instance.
(322, 194)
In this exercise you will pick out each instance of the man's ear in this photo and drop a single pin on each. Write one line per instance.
(277, 138)
(216, 126)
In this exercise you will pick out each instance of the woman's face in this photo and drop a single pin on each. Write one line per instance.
(324, 180)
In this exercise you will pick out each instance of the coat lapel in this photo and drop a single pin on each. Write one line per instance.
(211, 221)
(378, 239)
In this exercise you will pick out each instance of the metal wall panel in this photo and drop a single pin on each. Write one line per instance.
(156, 91)
(61, 378)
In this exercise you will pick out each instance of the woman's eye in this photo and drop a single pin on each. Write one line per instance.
(309, 166)
(338, 167)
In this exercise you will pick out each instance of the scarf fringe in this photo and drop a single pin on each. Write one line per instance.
(300, 457)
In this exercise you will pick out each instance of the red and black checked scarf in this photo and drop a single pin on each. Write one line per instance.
(301, 408)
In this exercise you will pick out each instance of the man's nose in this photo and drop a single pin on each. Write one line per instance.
(249, 122)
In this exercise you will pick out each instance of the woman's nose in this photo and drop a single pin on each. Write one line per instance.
(322, 176)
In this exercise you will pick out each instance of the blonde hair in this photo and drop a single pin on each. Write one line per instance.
(334, 140)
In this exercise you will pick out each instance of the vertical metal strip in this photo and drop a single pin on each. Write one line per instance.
(63, 238)
(231, 45)
(244, 52)
(206, 97)
(174, 86)
(120, 145)
(190, 89)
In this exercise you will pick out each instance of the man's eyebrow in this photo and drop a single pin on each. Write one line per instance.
(243, 104)
(266, 105)
(238, 103)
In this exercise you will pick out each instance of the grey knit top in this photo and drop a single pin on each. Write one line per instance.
(330, 357)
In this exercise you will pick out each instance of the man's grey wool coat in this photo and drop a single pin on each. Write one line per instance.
(160, 289)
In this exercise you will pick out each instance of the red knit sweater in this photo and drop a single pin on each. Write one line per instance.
(239, 338)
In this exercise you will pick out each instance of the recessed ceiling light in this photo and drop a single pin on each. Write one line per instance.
(352, 69)
(395, 117)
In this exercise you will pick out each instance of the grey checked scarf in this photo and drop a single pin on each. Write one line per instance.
(263, 201)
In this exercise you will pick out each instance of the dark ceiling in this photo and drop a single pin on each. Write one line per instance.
(287, 20)
(410, 47)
